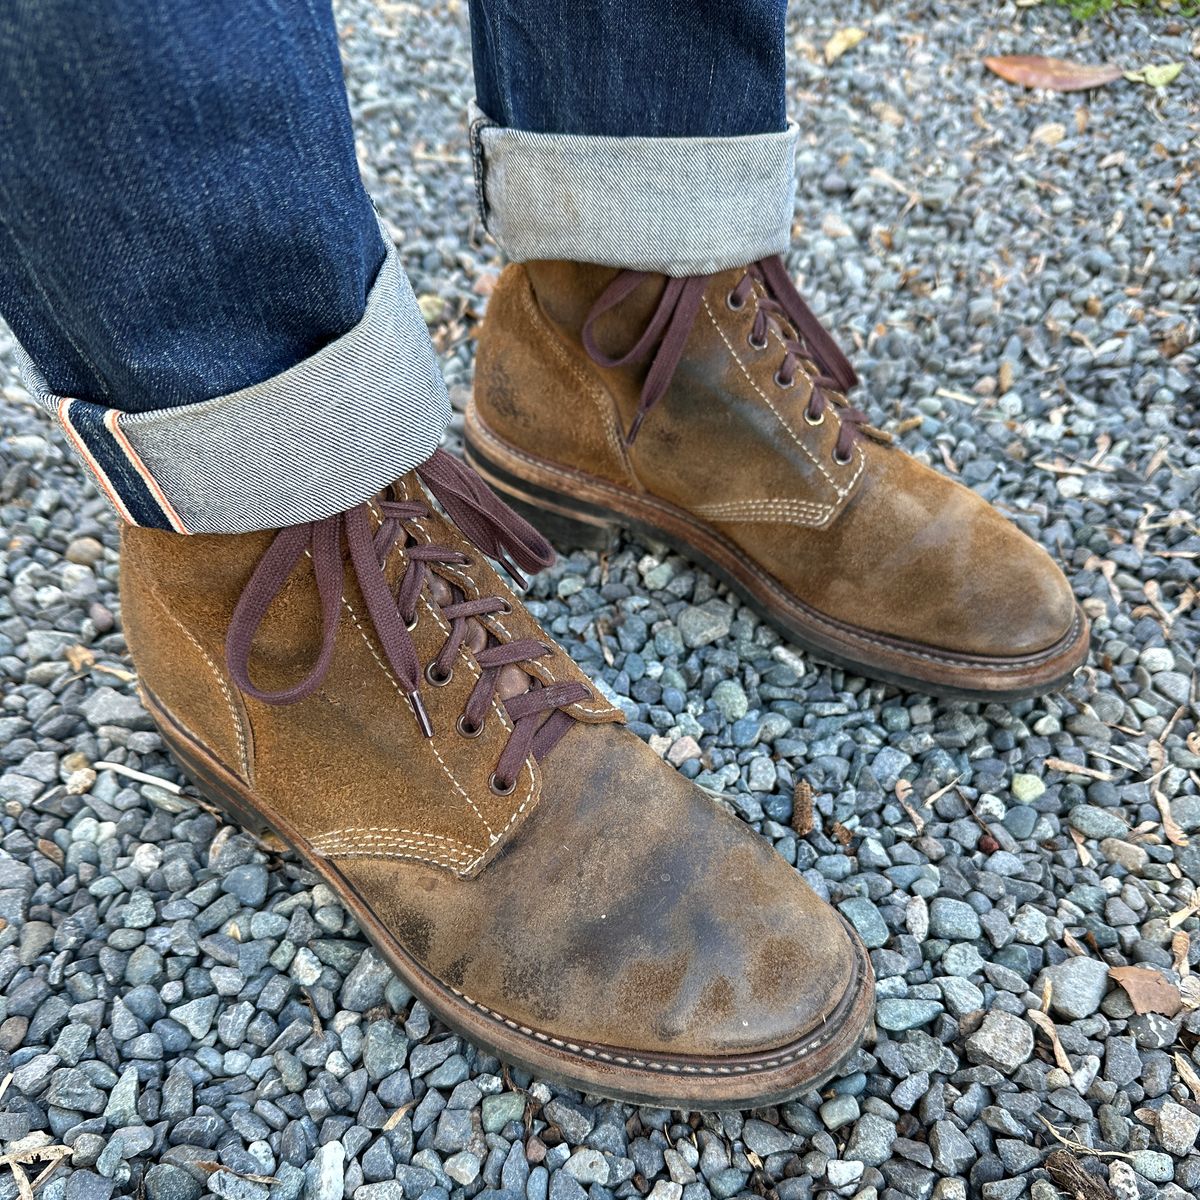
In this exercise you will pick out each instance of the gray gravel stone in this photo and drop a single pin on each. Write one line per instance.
(1003, 1041)
(1078, 986)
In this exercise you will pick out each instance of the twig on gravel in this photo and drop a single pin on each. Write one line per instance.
(140, 776)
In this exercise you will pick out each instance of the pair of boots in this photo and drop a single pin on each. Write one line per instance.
(368, 688)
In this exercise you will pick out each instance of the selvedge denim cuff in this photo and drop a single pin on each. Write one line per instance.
(679, 206)
(312, 441)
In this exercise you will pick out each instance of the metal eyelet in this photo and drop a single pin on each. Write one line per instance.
(756, 345)
(411, 625)
(818, 420)
(733, 303)
(436, 677)
(505, 611)
(843, 462)
(466, 730)
(500, 789)
(780, 382)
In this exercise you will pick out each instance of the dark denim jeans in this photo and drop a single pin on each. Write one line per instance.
(180, 207)
(649, 68)
(181, 213)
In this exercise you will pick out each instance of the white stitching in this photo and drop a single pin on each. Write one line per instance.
(572, 478)
(372, 830)
(237, 721)
(797, 512)
(449, 774)
(825, 1034)
(842, 492)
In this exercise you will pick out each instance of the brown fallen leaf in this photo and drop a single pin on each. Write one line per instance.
(1148, 991)
(1070, 768)
(1171, 827)
(80, 657)
(1071, 1179)
(1188, 1074)
(1181, 949)
(1047, 1026)
(1054, 74)
(843, 40)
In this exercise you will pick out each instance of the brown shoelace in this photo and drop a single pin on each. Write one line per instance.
(805, 340)
(537, 715)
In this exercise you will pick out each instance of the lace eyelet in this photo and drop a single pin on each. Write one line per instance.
(436, 677)
(819, 419)
(505, 611)
(843, 462)
(467, 730)
(780, 382)
(754, 344)
(411, 625)
(502, 789)
(733, 303)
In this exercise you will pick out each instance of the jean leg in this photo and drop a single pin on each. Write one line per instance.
(623, 68)
(192, 266)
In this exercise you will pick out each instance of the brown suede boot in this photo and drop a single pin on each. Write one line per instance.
(367, 688)
(737, 447)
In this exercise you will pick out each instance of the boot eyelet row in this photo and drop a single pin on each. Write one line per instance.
(466, 729)
(436, 676)
(502, 787)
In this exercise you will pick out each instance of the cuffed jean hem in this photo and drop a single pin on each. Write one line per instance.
(313, 441)
(679, 206)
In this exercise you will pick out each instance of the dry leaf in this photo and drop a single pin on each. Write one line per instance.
(1049, 134)
(120, 672)
(1043, 1022)
(1188, 1074)
(843, 40)
(80, 657)
(1070, 768)
(17, 1160)
(1073, 944)
(1085, 856)
(398, 1116)
(1189, 992)
(1181, 947)
(213, 1167)
(1055, 74)
(1175, 834)
(1148, 991)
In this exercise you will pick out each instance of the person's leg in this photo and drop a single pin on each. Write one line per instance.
(622, 143)
(363, 683)
(192, 266)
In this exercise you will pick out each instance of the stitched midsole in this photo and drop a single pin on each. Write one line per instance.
(223, 787)
(565, 482)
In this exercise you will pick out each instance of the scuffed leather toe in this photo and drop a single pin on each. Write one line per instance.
(631, 912)
(927, 561)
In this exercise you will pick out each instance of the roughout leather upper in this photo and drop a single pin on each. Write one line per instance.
(881, 543)
(608, 900)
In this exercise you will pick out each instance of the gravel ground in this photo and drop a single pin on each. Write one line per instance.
(1018, 275)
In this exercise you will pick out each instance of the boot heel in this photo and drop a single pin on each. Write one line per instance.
(564, 530)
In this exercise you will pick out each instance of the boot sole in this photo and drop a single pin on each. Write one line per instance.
(664, 1080)
(575, 509)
